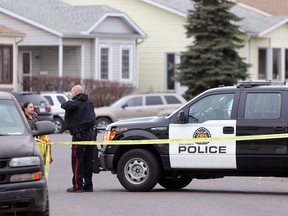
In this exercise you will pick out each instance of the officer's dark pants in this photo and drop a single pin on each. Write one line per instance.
(82, 158)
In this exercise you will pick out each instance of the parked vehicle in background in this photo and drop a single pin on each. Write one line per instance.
(138, 105)
(56, 99)
(41, 105)
(23, 186)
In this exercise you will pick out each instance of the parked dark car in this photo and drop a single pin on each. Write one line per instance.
(41, 104)
(23, 186)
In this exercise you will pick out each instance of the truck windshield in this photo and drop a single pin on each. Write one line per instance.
(11, 122)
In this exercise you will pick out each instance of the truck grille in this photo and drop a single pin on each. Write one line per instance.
(3, 163)
(3, 166)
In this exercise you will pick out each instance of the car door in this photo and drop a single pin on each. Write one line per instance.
(210, 116)
(262, 112)
(131, 108)
(154, 105)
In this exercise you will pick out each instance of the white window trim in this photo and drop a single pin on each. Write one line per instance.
(131, 54)
(109, 61)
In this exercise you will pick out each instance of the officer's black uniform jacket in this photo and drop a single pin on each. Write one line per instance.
(79, 113)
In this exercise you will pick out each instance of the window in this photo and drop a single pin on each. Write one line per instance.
(172, 99)
(61, 99)
(49, 99)
(104, 63)
(6, 64)
(153, 100)
(262, 63)
(126, 64)
(213, 107)
(136, 101)
(11, 122)
(276, 64)
(263, 106)
(171, 60)
(26, 63)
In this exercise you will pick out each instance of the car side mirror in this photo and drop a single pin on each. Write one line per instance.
(43, 128)
(181, 119)
(124, 106)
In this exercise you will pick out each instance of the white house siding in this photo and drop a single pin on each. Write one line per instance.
(278, 39)
(33, 35)
(112, 25)
(152, 52)
(72, 57)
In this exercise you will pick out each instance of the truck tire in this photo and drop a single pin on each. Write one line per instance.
(175, 182)
(45, 213)
(138, 170)
(102, 122)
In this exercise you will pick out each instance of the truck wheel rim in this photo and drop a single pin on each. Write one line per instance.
(136, 171)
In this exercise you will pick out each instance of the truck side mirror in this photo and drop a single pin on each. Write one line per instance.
(181, 117)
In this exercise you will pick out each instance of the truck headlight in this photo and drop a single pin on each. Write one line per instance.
(24, 161)
(109, 135)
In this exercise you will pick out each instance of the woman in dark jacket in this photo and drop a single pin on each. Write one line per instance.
(31, 116)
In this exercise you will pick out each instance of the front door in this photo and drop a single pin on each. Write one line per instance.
(212, 116)
(25, 68)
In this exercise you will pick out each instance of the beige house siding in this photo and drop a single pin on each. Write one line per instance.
(166, 34)
(277, 39)
(156, 23)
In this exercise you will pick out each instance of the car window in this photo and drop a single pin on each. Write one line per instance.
(172, 99)
(61, 99)
(213, 107)
(153, 100)
(11, 122)
(263, 106)
(49, 99)
(35, 99)
(136, 101)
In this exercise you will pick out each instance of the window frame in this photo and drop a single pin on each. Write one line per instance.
(10, 72)
(130, 49)
(109, 68)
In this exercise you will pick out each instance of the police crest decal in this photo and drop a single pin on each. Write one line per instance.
(202, 132)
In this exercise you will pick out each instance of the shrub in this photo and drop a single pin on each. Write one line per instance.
(101, 93)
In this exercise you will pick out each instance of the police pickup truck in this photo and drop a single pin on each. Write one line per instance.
(224, 113)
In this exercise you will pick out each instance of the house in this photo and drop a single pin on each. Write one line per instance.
(9, 40)
(266, 40)
(275, 7)
(97, 42)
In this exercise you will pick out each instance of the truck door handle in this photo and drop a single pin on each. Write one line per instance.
(279, 128)
(228, 130)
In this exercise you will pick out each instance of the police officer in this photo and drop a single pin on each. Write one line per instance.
(80, 121)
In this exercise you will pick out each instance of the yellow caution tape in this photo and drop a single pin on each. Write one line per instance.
(46, 153)
(159, 141)
(184, 140)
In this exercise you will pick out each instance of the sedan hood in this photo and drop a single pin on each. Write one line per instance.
(16, 146)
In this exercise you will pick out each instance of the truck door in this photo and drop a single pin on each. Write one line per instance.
(262, 112)
(211, 116)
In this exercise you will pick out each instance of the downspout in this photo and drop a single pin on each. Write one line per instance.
(137, 60)
(60, 58)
